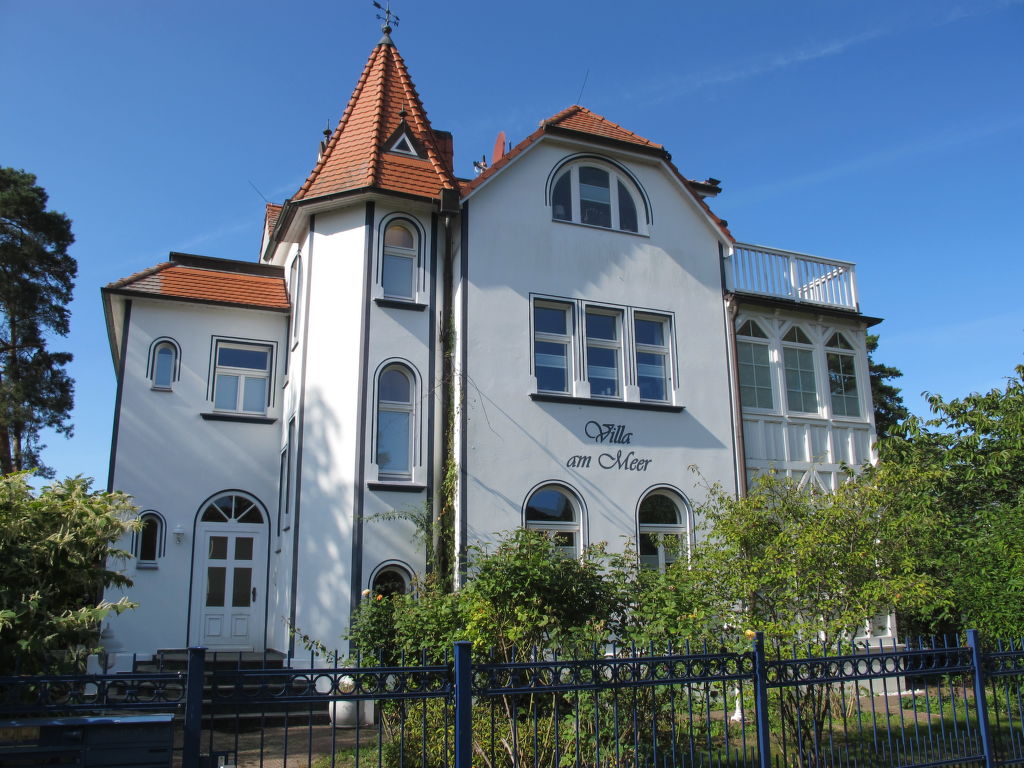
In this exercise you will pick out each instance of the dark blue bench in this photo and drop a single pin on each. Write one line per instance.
(139, 741)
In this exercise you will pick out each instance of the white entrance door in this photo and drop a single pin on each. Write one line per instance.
(231, 597)
(230, 575)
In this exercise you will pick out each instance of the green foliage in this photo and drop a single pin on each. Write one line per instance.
(36, 279)
(802, 565)
(886, 399)
(963, 470)
(54, 548)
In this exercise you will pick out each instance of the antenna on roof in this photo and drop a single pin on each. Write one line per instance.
(579, 98)
(387, 18)
(257, 190)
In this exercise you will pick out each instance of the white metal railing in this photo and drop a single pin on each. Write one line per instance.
(790, 275)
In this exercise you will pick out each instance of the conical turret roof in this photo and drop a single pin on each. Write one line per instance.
(384, 140)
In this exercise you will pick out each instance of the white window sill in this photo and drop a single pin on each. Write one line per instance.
(642, 405)
(245, 418)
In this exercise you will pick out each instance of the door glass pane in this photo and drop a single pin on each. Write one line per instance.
(241, 597)
(218, 548)
(215, 586)
(226, 395)
(243, 548)
(255, 395)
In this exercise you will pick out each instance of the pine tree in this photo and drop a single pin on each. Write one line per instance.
(887, 400)
(36, 280)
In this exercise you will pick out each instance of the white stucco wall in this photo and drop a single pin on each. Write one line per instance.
(171, 460)
(514, 443)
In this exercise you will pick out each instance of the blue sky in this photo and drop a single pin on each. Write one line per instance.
(888, 134)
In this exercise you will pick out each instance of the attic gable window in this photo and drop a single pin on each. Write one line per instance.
(401, 144)
(597, 195)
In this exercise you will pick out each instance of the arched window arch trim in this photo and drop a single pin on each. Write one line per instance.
(151, 360)
(617, 168)
(415, 416)
(417, 281)
(578, 525)
(160, 543)
(683, 527)
(400, 566)
(232, 492)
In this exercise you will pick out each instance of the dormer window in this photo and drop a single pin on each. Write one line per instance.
(403, 146)
(597, 195)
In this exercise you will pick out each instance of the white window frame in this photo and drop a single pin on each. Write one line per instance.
(545, 337)
(755, 341)
(850, 354)
(157, 520)
(411, 255)
(392, 406)
(664, 349)
(681, 528)
(554, 527)
(615, 178)
(608, 344)
(243, 374)
(796, 346)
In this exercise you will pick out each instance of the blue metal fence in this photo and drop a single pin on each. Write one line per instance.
(933, 703)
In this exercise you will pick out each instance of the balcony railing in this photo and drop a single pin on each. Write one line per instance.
(794, 276)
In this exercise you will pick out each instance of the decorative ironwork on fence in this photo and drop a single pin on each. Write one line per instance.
(927, 704)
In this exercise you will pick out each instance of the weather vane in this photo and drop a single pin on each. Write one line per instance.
(390, 20)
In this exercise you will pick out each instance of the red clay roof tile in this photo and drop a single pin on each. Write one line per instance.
(207, 285)
(354, 158)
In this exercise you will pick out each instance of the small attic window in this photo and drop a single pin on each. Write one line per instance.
(839, 342)
(402, 145)
(598, 194)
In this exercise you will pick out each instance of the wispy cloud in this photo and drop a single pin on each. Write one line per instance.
(882, 158)
(671, 89)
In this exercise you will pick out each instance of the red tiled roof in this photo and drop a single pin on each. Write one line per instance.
(207, 285)
(581, 120)
(272, 215)
(354, 157)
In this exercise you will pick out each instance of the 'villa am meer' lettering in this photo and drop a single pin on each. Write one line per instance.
(615, 434)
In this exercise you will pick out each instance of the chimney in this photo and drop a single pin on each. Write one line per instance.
(446, 146)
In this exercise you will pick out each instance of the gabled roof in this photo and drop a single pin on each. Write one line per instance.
(209, 281)
(384, 100)
(580, 122)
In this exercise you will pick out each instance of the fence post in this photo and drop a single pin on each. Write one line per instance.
(193, 708)
(980, 704)
(463, 704)
(764, 751)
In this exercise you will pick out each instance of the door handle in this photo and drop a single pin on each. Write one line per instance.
(254, 594)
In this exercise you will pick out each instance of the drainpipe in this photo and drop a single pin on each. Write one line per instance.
(731, 309)
(443, 528)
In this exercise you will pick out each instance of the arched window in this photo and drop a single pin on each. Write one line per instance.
(597, 194)
(163, 364)
(396, 411)
(391, 580)
(801, 384)
(399, 260)
(662, 529)
(232, 507)
(555, 510)
(149, 539)
(842, 376)
(754, 366)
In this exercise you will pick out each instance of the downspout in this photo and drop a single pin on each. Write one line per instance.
(443, 533)
(737, 408)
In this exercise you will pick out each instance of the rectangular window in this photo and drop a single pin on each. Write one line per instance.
(396, 277)
(604, 348)
(842, 382)
(801, 389)
(242, 378)
(651, 345)
(755, 375)
(552, 334)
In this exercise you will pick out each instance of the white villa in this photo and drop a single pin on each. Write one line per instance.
(550, 344)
